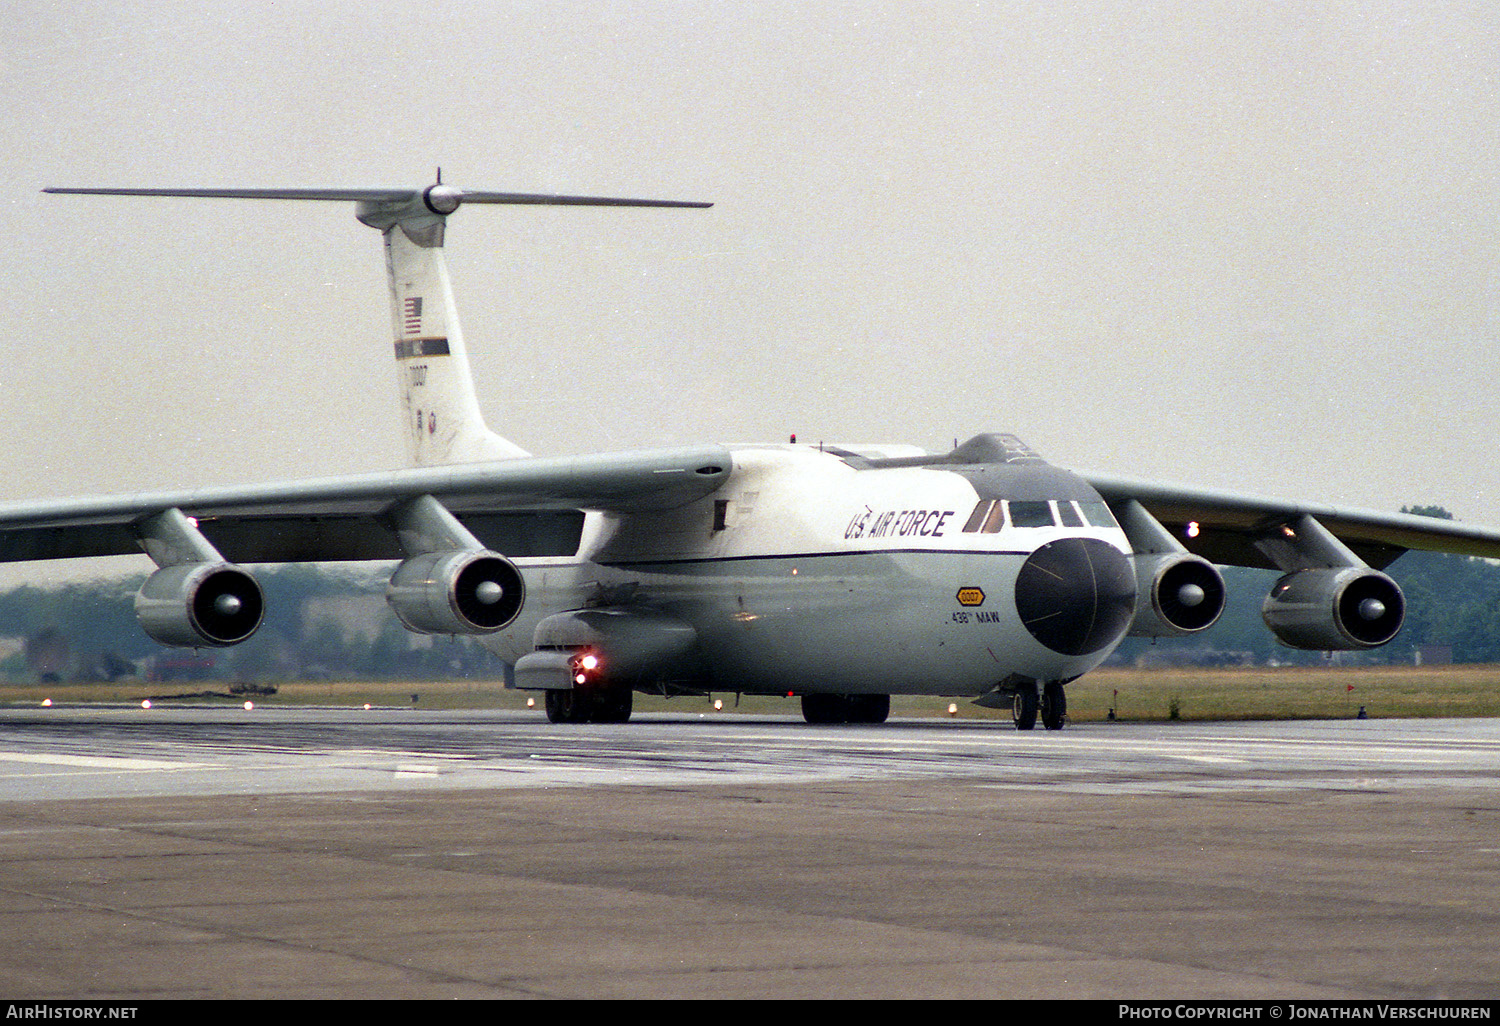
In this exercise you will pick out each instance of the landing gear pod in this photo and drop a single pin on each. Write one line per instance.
(1346, 608)
(636, 644)
(192, 605)
(474, 592)
(1178, 594)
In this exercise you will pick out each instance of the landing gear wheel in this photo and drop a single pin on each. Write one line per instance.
(593, 705)
(566, 707)
(846, 708)
(868, 708)
(825, 709)
(1023, 707)
(1054, 706)
(613, 705)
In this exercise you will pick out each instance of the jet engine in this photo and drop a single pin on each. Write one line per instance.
(469, 592)
(1338, 608)
(1177, 594)
(193, 605)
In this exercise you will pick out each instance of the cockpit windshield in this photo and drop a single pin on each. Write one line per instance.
(991, 516)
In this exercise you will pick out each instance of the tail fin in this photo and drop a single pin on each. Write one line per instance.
(442, 416)
(443, 422)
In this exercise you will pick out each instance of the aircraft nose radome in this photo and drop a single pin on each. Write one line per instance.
(1076, 595)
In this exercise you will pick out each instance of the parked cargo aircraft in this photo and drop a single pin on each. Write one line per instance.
(840, 574)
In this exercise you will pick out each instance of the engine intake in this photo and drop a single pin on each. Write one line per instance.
(1345, 608)
(192, 605)
(1178, 594)
(470, 592)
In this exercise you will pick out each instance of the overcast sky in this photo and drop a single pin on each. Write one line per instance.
(1241, 244)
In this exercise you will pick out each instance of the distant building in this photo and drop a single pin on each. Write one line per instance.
(1171, 656)
(180, 666)
(1433, 655)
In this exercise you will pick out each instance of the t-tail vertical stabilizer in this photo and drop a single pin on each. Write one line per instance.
(442, 422)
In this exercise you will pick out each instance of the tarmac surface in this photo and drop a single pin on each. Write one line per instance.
(225, 853)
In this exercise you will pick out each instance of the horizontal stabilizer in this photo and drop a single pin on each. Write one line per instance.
(440, 414)
(440, 199)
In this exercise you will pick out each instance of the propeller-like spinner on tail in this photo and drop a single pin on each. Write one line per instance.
(441, 415)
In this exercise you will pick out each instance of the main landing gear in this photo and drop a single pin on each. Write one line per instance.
(846, 708)
(1049, 700)
(590, 705)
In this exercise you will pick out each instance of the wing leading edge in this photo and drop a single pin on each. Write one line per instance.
(345, 518)
(1224, 527)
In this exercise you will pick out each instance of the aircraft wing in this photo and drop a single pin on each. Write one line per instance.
(1222, 526)
(343, 518)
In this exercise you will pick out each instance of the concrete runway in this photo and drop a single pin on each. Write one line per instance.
(194, 853)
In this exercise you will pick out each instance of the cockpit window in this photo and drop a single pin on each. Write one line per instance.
(996, 520)
(988, 517)
(977, 517)
(1098, 514)
(1031, 514)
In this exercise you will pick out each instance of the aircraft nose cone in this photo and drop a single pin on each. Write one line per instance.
(1076, 595)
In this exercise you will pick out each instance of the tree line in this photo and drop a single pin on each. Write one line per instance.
(320, 621)
(1452, 611)
(332, 621)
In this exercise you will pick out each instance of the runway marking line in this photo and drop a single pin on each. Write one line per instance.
(104, 762)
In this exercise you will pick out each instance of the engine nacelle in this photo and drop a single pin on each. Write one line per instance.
(469, 592)
(193, 605)
(1177, 594)
(1341, 608)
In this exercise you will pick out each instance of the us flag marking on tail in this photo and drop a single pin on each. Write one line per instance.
(413, 323)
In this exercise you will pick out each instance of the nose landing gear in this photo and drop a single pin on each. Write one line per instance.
(1049, 700)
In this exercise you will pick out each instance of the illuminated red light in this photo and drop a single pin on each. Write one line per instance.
(585, 664)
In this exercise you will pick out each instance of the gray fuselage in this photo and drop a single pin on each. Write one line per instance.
(819, 571)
